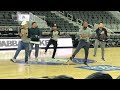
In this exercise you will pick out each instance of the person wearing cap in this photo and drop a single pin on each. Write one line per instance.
(54, 34)
(24, 43)
(35, 39)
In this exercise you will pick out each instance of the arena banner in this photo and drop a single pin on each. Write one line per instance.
(13, 43)
(23, 17)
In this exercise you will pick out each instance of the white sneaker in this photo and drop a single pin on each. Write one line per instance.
(13, 60)
(27, 63)
(36, 59)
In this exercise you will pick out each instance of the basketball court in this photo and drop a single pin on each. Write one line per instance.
(46, 66)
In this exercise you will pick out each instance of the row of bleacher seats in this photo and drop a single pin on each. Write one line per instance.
(12, 31)
(7, 19)
(9, 31)
(91, 16)
(112, 41)
(64, 26)
(95, 17)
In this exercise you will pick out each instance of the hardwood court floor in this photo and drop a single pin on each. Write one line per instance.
(9, 70)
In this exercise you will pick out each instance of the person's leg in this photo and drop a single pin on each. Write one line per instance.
(36, 50)
(55, 48)
(86, 49)
(49, 43)
(20, 47)
(26, 46)
(80, 45)
(102, 44)
(96, 46)
(30, 48)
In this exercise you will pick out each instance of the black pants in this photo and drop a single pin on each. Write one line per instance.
(82, 44)
(36, 49)
(51, 41)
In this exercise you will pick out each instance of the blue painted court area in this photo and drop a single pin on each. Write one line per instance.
(100, 67)
(56, 61)
(81, 61)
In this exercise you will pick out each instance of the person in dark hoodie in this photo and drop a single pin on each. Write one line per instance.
(35, 39)
(101, 37)
(54, 35)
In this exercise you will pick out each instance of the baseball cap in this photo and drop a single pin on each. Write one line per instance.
(24, 22)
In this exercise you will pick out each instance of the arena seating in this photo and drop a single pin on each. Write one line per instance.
(9, 27)
(63, 25)
(8, 24)
(6, 18)
(96, 16)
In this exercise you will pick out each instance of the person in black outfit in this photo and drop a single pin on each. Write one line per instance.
(53, 40)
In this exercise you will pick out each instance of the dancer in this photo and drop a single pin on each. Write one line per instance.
(53, 40)
(35, 39)
(101, 34)
(24, 43)
(85, 34)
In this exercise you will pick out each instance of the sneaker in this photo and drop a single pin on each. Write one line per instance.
(85, 62)
(71, 58)
(26, 63)
(13, 60)
(103, 59)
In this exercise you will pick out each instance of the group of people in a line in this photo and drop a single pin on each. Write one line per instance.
(31, 36)
(85, 34)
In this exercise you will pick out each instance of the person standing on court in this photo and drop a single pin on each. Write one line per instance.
(85, 34)
(54, 35)
(35, 39)
(101, 37)
(24, 43)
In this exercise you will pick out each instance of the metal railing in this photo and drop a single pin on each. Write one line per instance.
(39, 19)
(34, 18)
(9, 28)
